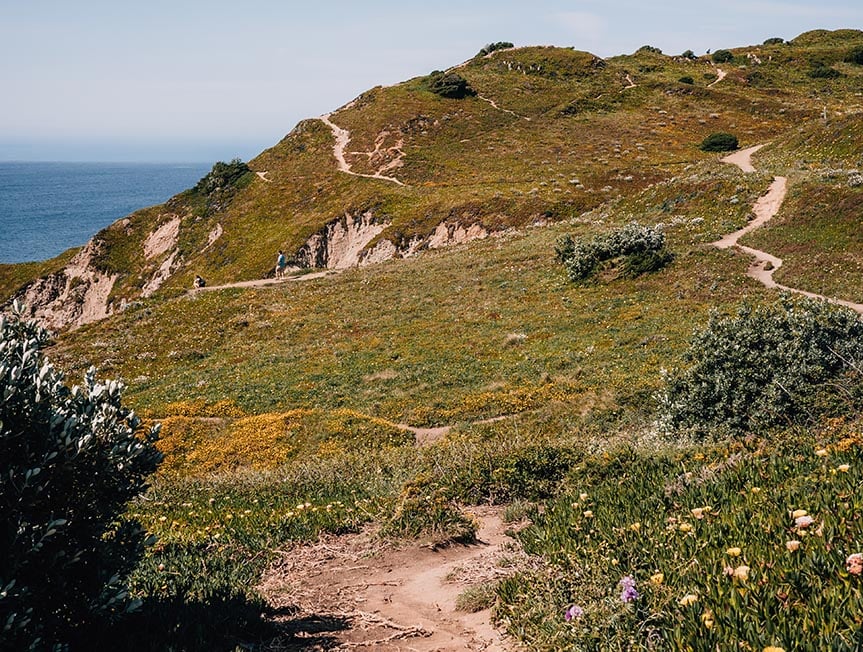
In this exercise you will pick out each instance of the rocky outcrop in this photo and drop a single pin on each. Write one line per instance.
(76, 295)
(342, 243)
(345, 242)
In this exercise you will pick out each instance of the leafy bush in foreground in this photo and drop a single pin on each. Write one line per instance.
(784, 363)
(581, 258)
(70, 460)
(719, 142)
(744, 546)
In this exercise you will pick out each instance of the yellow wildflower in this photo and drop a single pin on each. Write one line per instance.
(582, 497)
(698, 512)
(843, 468)
(685, 527)
(733, 552)
(635, 527)
(707, 618)
(792, 545)
(797, 513)
(773, 648)
(657, 579)
(588, 514)
(821, 452)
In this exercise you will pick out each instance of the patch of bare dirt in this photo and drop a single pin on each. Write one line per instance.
(368, 595)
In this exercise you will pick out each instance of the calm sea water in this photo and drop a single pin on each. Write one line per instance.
(45, 208)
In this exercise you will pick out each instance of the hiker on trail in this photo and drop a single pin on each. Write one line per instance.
(281, 263)
(199, 282)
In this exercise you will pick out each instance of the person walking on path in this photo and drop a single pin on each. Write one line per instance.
(281, 263)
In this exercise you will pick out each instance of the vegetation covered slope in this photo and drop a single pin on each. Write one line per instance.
(284, 407)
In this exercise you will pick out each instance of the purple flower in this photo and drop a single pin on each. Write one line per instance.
(574, 612)
(627, 589)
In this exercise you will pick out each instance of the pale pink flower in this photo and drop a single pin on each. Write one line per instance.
(803, 521)
(854, 563)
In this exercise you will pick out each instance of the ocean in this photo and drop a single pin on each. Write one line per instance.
(46, 208)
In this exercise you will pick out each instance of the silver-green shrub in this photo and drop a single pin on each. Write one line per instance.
(789, 362)
(582, 257)
(70, 460)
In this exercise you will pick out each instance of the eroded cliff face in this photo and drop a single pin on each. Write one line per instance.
(77, 294)
(345, 242)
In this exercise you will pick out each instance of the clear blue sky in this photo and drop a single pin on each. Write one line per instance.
(192, 80)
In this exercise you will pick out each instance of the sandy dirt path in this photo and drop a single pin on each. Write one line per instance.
(764, 264)
(720, 75)
(343, 137)
(265, 282)
(376, 597)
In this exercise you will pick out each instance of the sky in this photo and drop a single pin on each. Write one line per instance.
(193, 80)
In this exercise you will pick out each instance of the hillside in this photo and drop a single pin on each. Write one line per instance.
(448, 360)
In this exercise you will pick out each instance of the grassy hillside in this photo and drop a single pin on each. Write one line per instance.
(284, 407)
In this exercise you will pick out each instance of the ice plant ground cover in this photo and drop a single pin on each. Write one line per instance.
(752, 544)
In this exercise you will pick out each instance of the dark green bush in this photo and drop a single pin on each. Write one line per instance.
(491, 47)
(719, 142)
(450, 85)
(723, 56)
(821, 71)
(222, 176)
(788, 362)
(649, 48)
(686, 80)
(774, 41)
(855, 56)
(689, 54)
(70, 460)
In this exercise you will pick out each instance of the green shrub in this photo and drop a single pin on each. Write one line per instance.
(70, 460)
(855, 56)
(686, 80)
(719, 142)
(774, 41)
(649, 48)
(583, 257)
(689, 54)
(450, 85)
(222, 176)
(723, 56)
(821, 71)
(788, 362)
(492, 47)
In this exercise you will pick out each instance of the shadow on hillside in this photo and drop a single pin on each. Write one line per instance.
(221, 624)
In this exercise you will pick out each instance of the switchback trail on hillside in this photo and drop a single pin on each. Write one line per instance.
(343, 137)
(764, 264)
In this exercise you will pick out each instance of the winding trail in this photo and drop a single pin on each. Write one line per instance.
(376, 597)
(631, 84)
(265, 282)
(343, 137)
(764, 264)
(494, 104)
(720, 75)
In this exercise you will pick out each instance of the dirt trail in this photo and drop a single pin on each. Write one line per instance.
(264, 282)
(764, 264)
(343, 137)
(720, 75)
(630, 83)
(494, 104)
(379, 598)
